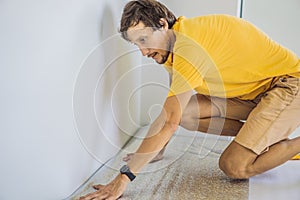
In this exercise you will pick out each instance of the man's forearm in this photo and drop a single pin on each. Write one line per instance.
(158, 136)
(160, 131)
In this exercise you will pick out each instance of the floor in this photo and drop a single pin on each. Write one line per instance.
(190, 170)
(280, 183)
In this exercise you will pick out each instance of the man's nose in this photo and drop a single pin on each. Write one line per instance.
(145, 51)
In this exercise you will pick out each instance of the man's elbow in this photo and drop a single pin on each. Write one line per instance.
(171, 125)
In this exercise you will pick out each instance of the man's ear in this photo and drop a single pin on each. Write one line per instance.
(164, 24)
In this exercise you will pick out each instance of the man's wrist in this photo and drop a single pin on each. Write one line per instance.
(125, 171)
(125, 178)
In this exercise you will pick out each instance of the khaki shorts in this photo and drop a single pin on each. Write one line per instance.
(270, 118)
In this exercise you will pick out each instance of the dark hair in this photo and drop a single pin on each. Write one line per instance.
(147, 11)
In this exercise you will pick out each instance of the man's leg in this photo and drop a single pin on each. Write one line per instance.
(211, 115)
(216, 126)
(262, 142)
(241, 163)
(216, 115)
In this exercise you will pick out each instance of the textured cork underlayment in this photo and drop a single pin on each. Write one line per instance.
(189, 170)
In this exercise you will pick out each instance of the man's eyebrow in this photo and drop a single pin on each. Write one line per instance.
(137, 39)
(142, 37)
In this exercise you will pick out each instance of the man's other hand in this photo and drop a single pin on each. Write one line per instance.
(111, 191)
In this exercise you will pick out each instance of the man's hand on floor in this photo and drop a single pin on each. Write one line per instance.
(111, 191)
(158, 157)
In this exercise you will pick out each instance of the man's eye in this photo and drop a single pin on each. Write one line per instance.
(142, 40)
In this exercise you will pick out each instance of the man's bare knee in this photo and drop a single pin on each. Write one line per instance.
(236, 161)
(232, 170)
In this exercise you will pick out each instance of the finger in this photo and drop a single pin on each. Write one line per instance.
(88, 196)
(128, 157)
(102, 196)
(113, 197)
(95, 195)
(98, 187)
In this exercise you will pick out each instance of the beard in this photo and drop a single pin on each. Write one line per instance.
(163, 59)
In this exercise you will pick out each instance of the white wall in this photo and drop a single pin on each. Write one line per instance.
(63, 94)
(280, 20)
(192, 8)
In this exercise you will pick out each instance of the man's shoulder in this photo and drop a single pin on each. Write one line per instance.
(185, 24)
(209, 17)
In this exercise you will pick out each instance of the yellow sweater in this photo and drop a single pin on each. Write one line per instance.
(225, 56)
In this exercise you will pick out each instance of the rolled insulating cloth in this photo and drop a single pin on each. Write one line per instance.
(296, 157)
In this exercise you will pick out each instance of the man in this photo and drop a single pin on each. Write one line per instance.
(246, 86)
